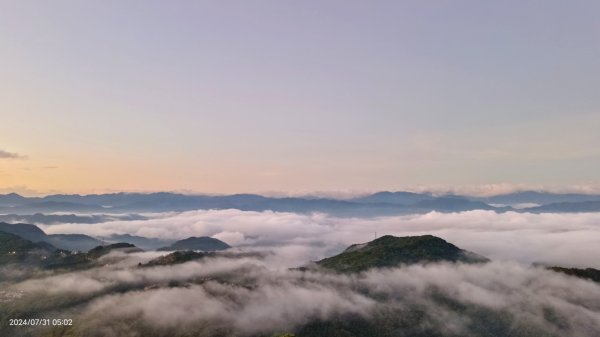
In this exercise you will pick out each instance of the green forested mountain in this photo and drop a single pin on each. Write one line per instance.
(75, 242)
(203, 243)
(14, 249)
(390, 251)
(587, 273)
(103, 250)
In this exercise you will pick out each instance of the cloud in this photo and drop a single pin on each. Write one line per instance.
(269, 306)
(10, 155)
(562, 239)
(250, 296)
(99, 280)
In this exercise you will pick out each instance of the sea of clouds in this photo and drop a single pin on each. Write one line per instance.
(260, 294)
(248, 296)
(559, 239)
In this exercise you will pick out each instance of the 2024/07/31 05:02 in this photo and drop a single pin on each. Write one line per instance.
(40, 321)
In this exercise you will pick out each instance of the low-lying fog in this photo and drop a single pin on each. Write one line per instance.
(563, 239)
(261, 295)
(247, 296)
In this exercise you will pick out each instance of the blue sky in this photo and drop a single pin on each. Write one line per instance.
(251, 96)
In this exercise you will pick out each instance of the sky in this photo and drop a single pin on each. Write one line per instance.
(259, 96)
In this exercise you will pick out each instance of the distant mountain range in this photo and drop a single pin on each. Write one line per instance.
(14, 206)
(567, 207)
(540, 198)
(51, 219)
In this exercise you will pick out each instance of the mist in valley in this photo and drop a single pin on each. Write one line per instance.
(265, 293)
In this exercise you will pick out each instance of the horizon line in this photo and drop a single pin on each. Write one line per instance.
(334, 194)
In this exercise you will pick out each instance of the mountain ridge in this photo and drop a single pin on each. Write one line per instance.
(193, 243)
(375, 204)
(75, 242)
(392, 251)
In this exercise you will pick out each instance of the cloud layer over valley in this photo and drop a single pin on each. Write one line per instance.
(565, 239)
(258, 295)
(248, 296)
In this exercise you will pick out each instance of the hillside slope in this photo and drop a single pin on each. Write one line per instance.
(390, 251)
